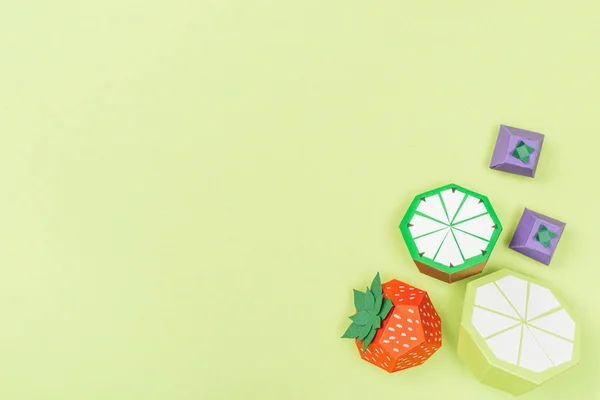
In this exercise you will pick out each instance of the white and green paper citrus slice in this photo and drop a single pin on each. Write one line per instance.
(516, 333)
(450, 232)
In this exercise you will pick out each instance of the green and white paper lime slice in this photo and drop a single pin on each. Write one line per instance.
(522, 325)
(450, 228)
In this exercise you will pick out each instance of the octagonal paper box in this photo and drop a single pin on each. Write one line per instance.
(450, 232)
(516, 332)
(395, 326)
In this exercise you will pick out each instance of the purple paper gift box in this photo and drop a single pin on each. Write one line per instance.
(537, 236)
(517, 151)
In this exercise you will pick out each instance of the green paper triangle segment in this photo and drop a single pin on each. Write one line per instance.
(361, 318)
(364, 332)
(353, 331)
(375, 322)
(369, 300)
(378, 304)
(386, 308)
(359, 300)
(376, 286)
(367, 341)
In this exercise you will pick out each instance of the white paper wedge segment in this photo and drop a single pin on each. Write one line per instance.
(515, 290)
(482, 226)
(559, 323)
(432, 207)
(452, 200)
(489, 296)
(430, 244)
(559, 350)
(471, 208)
(470, 246)
(423, 225)
(506, 345)
(533, 356)
(489, 323)
(449, 253)
(541, 300)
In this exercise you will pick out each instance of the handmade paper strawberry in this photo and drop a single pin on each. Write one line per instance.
(395, 326)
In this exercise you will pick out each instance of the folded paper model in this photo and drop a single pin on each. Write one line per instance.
(516, 333)
(517, 151)
(537, 236)
(450, 232)
(395, 326)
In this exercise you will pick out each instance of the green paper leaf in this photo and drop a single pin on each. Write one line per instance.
(367, 341)
(378, 302)
(359, 300)
(361, 318)
(364, 332)
(353, 331)
(369, 300)
(386, 308)
(375, 322)
(376, 286)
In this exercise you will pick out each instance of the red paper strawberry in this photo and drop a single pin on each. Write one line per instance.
(395, 326)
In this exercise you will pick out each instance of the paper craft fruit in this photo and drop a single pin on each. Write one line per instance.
(516, 333)
(517, 151)
(450, 232)
(537, 236)
(395, 326)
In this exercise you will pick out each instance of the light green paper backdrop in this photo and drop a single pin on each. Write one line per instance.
(190, 190)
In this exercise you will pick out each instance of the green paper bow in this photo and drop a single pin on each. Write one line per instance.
(371, 308)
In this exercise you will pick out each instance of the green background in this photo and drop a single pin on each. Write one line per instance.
(190, 190)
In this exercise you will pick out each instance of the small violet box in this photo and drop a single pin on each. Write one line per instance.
(517, 151)
(537, 236)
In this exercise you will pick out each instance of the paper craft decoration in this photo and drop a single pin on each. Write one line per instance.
(395, 326)
(517, 151)
(516, 333)
(537, 236)
(450, 232)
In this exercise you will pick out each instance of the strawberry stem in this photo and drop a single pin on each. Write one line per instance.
(371, 309)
